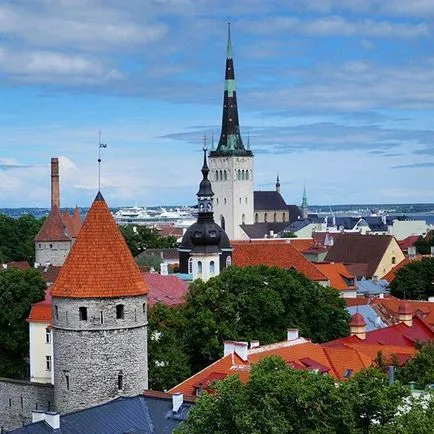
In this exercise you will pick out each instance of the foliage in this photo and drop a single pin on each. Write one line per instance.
(288, 235)
(149, 261)
(420, 368)
(278, 399)
(423, 245)
(258, 303)
(168, 363)
(139, 238)
(17, 238)
(18, 291)
(414, 280)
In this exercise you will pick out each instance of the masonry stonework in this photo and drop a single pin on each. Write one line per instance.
(53, 252)
(101, 357)
(18, 399)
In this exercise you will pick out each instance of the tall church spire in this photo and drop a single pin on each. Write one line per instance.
(304, 206)
(278, 184)
(230, 142)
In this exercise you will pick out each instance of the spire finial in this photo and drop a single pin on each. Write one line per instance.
(229, 47)
(278, 183)
(100, 145)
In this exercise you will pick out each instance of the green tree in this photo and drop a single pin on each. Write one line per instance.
(420, 368)
(17, 238)
(423, 245)
(258, 303)
(167, 360)
(18, 291)
(415, 280)
(149, 261)
(375, 403)
(139, 238)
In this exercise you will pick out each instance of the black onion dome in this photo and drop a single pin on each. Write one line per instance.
(205, 189)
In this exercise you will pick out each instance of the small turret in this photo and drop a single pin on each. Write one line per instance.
(304, 206)
(278, 184)
(358, 326)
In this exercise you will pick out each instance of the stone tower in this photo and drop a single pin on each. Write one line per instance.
(99, 318)
(304, 206)
(205, 249)
(231, 164)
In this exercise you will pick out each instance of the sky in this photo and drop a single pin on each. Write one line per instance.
(337, 95)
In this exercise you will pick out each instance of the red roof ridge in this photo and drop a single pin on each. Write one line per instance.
(99, 263)
(54, 228)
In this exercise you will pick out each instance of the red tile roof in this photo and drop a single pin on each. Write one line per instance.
(49, 272)
(390, 276)
(278, 254)
(302, 244)
(99, 263)
(41, 311)
(77, 220)
(165, 289)
(69, 223)
(54, 228)
(408, 242)
(20, 265)
(357, 320)
(337, 274)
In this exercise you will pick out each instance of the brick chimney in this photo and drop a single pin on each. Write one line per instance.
(55, 189)
(358, 326)
(405, 314)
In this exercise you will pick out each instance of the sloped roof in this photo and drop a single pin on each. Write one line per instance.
(49, 272)
(408, 242)
(294, 213)
(165, 289)
(302, 244)
(54, 228)
(268, 201)
(76, 218)
(41, 311)
(390, 276)
(337, 274)
(20, 265)
(278, 254)
(69, 223)
(99, 263)
(150, 413)
(357, 248)
(263, 229)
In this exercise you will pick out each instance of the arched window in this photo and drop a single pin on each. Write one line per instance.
(243, 219)
(239, 175)
(82, 313)
(284, 217)
(199, 267)
(190, 265)
(217, 201)
(225, 175)
(275, 217)
(256, 218)
(228, 261)
(212, 267)
(265, 217)
(216, 175)
(222, 222)
(225, 201)
(247, 175)
(221, 175)
(243, 175)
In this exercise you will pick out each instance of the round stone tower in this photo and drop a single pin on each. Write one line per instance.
(99, 318)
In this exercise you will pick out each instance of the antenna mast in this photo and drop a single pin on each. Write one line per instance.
(100, 145)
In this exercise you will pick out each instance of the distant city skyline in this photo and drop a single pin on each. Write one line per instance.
(337, 95)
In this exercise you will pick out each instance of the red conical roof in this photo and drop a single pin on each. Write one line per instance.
(100, 263)
(54, 228)
(77, 220)
(357, 320)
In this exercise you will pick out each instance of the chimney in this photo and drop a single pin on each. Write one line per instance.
(164, 269)
(238, 347)
(292, 335)
(177, 400)
(55, 189)
(254, 344)
(411, 252)
(358, 326)
(405, 314)
(52, 418)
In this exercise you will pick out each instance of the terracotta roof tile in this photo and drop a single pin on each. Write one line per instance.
(69, 223)
(338, 275)
(408, 242)
(20, 265)
(302, 244)
(49, 272)
(278, 254)
(41, 311)
(99, 263)
(357, 320)
(54, 228)
(77, 220)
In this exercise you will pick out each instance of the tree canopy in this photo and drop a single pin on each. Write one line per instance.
(139, 238)
(252, 303)
(17, 238)
(423, 245)
(278, 399)
(415, 280)
(18, 291)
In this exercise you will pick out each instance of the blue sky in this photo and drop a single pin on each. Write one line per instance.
(338, 95)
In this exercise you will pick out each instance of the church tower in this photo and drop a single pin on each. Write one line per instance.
(231, 164)
(205, 249)
(99, 318)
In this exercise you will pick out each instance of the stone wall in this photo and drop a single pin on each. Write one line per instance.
(54, 252)
(18, 398)
(92, 357)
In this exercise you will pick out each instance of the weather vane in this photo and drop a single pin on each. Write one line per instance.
(100, 145)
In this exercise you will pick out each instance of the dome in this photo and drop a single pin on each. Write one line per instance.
(205, 188)
(205, 233)
(357, 320)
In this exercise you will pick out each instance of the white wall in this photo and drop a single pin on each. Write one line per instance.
(206, 272)
(403, 229)
(39, 350)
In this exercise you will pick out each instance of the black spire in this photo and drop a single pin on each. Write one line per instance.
(205, 194)
(230, 142)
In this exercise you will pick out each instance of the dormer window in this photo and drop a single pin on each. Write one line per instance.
(198, 234)
(212, 234)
